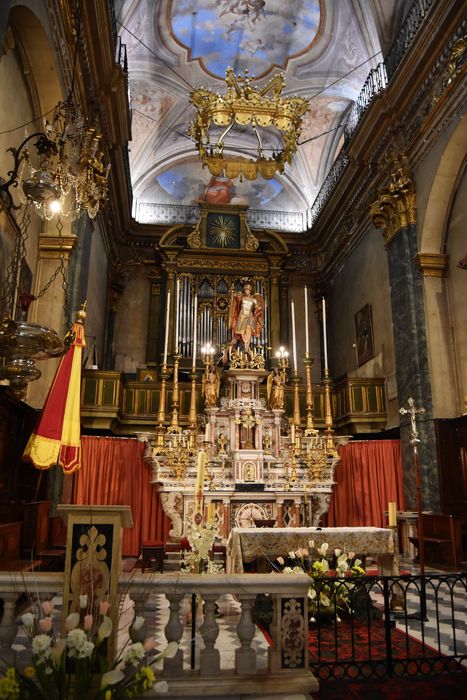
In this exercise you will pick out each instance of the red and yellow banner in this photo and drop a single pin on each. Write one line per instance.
(57, 438)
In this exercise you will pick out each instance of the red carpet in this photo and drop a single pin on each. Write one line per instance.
(434, 688)
(361, 652)
(369, 644)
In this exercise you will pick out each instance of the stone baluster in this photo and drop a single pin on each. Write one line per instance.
(139, 599)
(8, 627)
(173, 633)
(245, 657)
(209, 656)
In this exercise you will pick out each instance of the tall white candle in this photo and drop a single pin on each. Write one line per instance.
(195, 326)
(325, 341)
(307, 343)
(177, 312)
(201, 467)
(166, 340)
(294, 343)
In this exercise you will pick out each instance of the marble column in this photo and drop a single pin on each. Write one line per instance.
(395, 212)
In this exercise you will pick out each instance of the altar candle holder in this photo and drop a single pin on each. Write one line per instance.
(160, 429)
(174, 425)
(192, 411)
(309, 430)
(328, 412)
(296, 401)
(293, 462)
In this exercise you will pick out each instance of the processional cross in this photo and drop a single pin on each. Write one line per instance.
(413, 412)
(413, 424)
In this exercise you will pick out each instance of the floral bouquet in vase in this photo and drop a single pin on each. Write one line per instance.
(331, 588)
(76, 666)
(197, 552)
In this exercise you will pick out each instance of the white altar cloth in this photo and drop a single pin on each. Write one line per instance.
(249, 544)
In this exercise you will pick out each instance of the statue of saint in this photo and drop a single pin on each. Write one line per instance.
(211, 385)
(245, 315)
(276, 389)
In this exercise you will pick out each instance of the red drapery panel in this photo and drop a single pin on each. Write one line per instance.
(113, 473)
(368, 476)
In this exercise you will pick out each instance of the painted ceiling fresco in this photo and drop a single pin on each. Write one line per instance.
(253, 34)
(324, 48)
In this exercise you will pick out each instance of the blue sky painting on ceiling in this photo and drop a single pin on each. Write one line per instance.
(253, 34)
(185, 185)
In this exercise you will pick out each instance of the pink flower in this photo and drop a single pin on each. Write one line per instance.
(104, 607)
(88, 622)
(45, 624)
(47, 607)
(149, 644)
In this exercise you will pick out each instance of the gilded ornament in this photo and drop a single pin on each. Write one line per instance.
(246, 106)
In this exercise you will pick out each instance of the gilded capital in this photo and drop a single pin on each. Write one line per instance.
(395, 208)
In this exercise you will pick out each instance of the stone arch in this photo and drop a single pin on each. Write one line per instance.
(37, 54)
(444, 308)
(439, 202)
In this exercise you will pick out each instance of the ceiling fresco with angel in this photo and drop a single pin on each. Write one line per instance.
(325, 49)
(256, 35)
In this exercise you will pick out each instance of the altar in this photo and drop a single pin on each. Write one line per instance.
(248, 544)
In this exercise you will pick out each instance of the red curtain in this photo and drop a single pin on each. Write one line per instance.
(113, 473)
(368, 476)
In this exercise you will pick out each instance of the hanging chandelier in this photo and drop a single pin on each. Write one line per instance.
(63, 172)
(241, 108)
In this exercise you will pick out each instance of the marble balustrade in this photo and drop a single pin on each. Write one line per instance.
(287, 655)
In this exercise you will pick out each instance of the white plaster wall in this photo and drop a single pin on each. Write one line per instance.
(131, 325)
(441, 227)
(15, 110)
(435, 176)
(364, 279)
(456, 248)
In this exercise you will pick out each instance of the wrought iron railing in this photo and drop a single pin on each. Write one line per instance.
(406, 34)
(389, 626)
(327, 187)
(152, 213)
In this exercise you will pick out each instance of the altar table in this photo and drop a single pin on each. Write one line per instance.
(249, 544)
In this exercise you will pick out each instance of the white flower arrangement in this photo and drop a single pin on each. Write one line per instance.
(198, 557)
(328, 594)
(77, 664)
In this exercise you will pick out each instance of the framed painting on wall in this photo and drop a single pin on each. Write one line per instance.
(364, 334)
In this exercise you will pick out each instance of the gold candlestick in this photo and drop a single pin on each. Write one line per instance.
(293, 462)
(328, 412)
(161, 414)
(309, 430)
(174, 426)
(296, 402)
(192, 412)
